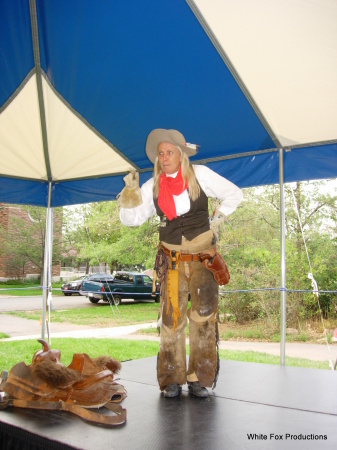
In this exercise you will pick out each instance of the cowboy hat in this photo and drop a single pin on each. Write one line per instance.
(173, 137)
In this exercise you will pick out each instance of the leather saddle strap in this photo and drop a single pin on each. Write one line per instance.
(92, 379)
(85, 414)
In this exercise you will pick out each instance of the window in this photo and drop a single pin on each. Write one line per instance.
(147, 280)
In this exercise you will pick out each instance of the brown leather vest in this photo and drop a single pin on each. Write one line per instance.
(190, 225)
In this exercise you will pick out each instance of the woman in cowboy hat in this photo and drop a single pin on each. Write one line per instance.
(178, 193)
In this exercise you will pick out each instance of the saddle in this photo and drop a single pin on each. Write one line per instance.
(47, 384)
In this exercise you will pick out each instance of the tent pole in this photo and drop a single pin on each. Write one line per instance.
(50, 268)
(46, 262)
(283, 258)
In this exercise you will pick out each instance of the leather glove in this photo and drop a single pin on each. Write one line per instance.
(130, 196)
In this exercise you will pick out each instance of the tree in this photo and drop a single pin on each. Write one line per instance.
(250, 244)
(23, 241)
(100, 238)
(255, 261)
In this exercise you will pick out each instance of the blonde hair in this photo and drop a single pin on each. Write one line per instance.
(187, 173)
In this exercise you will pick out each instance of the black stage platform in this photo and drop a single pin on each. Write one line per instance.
(279, 407)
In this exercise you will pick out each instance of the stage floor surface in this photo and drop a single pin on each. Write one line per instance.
(254, 406)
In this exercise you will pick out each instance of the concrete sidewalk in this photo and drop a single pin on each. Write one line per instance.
(19, 329)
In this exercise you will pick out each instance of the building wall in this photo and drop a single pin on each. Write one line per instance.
(23, 267)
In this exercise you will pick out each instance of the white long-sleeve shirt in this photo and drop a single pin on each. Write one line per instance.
(211, 183)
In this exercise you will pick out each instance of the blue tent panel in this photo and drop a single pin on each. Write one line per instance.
(23, 192)
(86, 191)
(311, 163)
(16, 56)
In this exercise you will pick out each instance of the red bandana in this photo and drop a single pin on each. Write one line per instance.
(168, 187)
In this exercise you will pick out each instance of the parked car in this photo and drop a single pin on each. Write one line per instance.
(73, 287)
(124, 285)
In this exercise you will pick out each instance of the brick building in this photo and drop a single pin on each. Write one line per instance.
(21, 242)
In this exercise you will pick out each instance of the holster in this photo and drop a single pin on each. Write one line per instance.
(216, 264)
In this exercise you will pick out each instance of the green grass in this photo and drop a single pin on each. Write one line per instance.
(152, 331)
(26, 289)
(264, 358)
(19, 291)
(12, 352)
(102, 315)
(251, 333)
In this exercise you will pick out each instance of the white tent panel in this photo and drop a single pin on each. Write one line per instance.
(21, 149)
(75, 150)
(274, 43)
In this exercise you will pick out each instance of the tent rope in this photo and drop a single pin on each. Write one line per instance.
(313, 281)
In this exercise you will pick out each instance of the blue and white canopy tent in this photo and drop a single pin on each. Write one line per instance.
(83, 82)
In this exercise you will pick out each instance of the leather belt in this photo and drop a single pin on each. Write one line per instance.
(181, 256)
